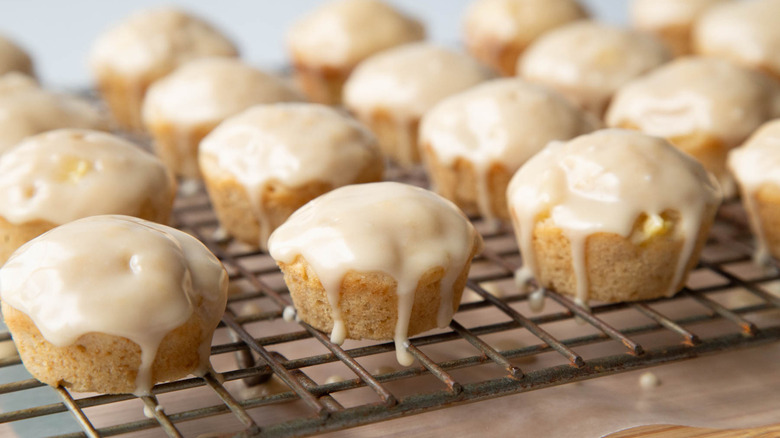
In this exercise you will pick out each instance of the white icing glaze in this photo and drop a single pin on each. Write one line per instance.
(755, 164)
(501, 122)
(289, 314)
(743, 31)
(155, 41)
(408, 80)
(394, 228)
(150, 413)
(209, 90)
(536, 300)
(220, 235)
(13, 58)
(150, 280)
(334, 379)
(63, 175)
(293, 144)
(658, 14)
(344, 32)
(190, 187)
(26, 109)
(518, 21)
(588, 61)
(493, 289)
(648, 380)
(523, 277)
(603, 182)
(697, 96)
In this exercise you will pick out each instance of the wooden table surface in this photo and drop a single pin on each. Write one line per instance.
(669, 431)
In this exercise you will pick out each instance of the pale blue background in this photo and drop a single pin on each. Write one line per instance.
(59, 33)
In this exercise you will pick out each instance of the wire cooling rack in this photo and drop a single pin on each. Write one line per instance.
(278, 378)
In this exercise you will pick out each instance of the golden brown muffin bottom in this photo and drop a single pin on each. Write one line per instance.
(767, 200)
(321, 84)
(236, 211)
(367, 300)
(501, 56)
(124, 97)
(397, 137)
(177, 146)
(618, 269)
(770, 71)
(677, 37)
(98, 362)
(459, 183)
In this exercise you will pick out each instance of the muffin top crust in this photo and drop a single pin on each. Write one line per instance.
(344, 32)
(408, 80)
(155, 41)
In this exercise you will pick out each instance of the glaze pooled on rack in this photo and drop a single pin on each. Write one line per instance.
(611, 185)
(272, 149)
(396, 241)
(153, 285)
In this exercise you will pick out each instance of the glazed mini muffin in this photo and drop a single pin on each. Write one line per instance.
(376, 261)
(13, 58)
(704, 106)
(148, 45)
(326, 44)
(392, 90)
(473, 142)
(264, 163)
(497, 31)
(28, 109)
(113, 304)
(63, 175)
(756, 167)
(180, 109)
(588, 61)
(670, 20)
(745, 32)
(615, 215)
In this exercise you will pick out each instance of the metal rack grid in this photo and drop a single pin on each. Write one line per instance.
(727, 305)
